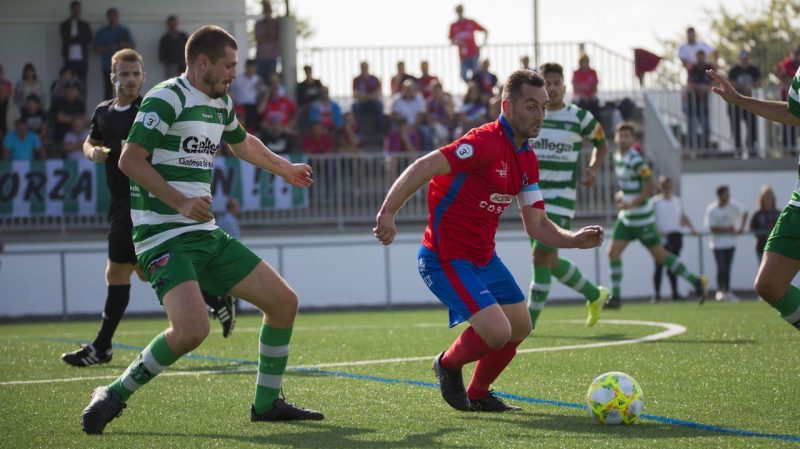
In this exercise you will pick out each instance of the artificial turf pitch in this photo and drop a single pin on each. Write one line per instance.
(730, 380)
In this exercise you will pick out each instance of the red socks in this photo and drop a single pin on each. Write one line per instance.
(489, 368)
(468, 347)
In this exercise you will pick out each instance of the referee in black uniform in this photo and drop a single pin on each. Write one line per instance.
(111, 122)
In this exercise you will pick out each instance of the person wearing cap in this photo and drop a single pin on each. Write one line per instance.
(745, 77)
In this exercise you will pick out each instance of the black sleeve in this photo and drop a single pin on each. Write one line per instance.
(94, 130)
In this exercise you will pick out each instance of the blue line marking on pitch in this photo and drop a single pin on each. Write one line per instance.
(513, 397)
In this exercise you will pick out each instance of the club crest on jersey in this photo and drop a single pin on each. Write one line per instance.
(220, 117)
(150, 120)
(159, 262)
(464, 151)
(503, 170)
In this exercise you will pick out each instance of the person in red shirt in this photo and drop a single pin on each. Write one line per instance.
(471, 182)
(277, 105)
(317, 141)
(786, 70)
(368, 101)
(584, 86)
(426, 80)
(462, 35)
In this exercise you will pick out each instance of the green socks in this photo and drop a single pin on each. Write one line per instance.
(540, 287)
(616, 278)
(571, 276)
(676, 266)
(274, 353)
(789, 306)
(155, 358)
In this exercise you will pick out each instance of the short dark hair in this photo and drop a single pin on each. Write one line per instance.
(111, 10)
(625, 126)
(250, 62)
(690, 30)
(722, 188)
(171, 17)
(211, 41)
(552, 67)
(512, 88)
(74, 3)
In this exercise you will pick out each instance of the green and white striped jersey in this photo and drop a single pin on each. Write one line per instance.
(558, 149)
(794, 107)
(632, 175)
(181, 128)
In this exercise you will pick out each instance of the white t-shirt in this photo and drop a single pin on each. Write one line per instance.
(668, 213)
(245, 89)
(728, 215)
(688, 51)
(409, 109)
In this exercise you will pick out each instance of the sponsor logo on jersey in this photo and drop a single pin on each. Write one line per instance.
(193, 145)
(159, 262)
(491, 207)
(464, 151)
(150, 120)
(501, 198)
(503, 170)
(547, 144)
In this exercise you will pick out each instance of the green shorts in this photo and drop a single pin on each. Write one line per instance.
(562, 222)
(785, 236)
(646, 234)
(213, 258)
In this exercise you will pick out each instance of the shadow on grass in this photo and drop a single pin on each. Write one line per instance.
(313, 435)
(603, 337)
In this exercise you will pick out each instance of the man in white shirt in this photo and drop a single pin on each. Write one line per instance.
(687, 52)
(670, 218)
(721, 218)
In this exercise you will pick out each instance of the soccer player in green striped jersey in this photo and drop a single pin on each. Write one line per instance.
(169, 159)
(636, 218)
(781, 260)
(558, 148)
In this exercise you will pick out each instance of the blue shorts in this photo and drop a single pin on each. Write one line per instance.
(466, 288)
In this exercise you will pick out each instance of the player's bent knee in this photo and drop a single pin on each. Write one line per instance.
(497, 338)
(768, 289)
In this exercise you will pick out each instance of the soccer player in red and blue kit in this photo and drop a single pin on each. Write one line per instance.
(471, 182)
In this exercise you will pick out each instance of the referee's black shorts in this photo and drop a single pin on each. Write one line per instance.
(120, 238)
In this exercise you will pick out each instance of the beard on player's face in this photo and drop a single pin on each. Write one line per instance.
(216, 88)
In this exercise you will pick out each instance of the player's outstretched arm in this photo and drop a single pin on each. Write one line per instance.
(539, 227)
(133, 162)
(252, 150)
(414, 177)
(776, 111)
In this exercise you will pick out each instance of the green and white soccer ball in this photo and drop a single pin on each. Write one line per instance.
(615, 398)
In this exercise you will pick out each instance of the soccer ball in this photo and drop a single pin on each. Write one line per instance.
(615, 398)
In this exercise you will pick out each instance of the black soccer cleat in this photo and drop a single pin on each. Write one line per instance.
(106, 404)
(284, 411)
(613, 303)
(451, 384)
(491, 403)
(225, 311)
(87, 355)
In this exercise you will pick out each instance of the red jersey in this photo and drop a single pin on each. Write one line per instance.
(320, 144)
(425, 85)
(281, 107)
(786, 70)
(584, 83)
(463, 33)
(464, 206)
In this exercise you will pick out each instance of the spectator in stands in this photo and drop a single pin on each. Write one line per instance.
(247, 91)
(108, 40)
(410, 106)
(462, 35)
(441, 115)
(744, 77)
(696, 103)
(309, 89)
(687, 52)
(400, 77)
(76, 35)
(317, 140)
(21, 145)
(725, 218)
(267, 43)
(584, 87)
(7, 110)
(171, 48)
(28, 85)
(277, 104)
(6, 82)
(670, 218)
(401, 138)
(764, 219)
(74, 139)
(525, 63)
(35, 116)
(275, 137)
(66, 77)
(426, 80)
(327, 112)
(228, 221)
(347, 139)
(65, 110)
(786, 70)
(473, 110)
(486, 81)
(368, 101)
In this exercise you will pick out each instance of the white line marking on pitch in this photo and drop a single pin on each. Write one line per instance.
(671, 330)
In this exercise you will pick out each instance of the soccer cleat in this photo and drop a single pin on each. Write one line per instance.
(613, 303)
(491, 403)
(451, 384)
(106, 404)
(87, 355)
(284, 411)
(225, 312)
(596, 306)
(701, 288)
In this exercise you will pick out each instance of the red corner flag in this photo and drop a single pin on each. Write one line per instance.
(644, 62)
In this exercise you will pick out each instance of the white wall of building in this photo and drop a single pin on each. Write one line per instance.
(346, 270)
